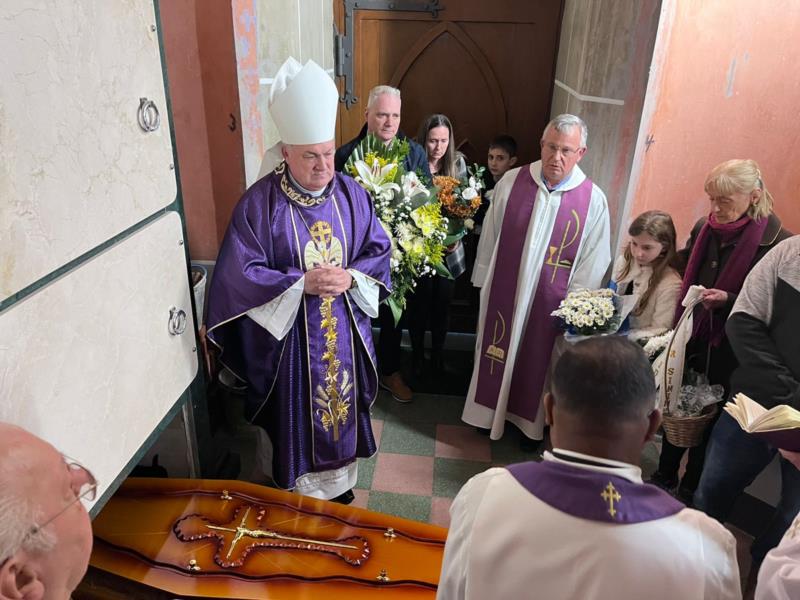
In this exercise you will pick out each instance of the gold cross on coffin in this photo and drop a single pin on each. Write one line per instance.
(611, 495)
(237, 538)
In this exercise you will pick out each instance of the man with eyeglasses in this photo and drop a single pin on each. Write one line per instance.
(546, 233)
(45, 532)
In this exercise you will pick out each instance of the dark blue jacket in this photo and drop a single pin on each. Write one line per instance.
(416, 159)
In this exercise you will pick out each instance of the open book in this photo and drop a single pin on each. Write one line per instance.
(779, 426)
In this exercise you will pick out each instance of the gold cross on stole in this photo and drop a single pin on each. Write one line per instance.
(611, 495)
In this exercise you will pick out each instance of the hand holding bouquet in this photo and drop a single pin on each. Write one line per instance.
(408, 212)
(590, 312)
(460, 200)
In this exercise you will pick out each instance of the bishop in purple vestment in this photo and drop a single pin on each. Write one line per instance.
(303, 267)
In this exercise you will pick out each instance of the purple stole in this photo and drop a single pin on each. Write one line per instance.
(533, 354)
(594, 495)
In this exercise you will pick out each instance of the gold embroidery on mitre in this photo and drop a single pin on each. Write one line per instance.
(554, 257)
(324, 248)
(611, 495)
(494, 352)
(333, 401)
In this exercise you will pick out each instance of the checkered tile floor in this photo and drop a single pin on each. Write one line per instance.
(426, 453)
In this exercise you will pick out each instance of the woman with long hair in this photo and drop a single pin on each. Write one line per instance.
(647, 269)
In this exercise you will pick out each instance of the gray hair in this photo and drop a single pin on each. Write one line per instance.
(564, 124)
(380, 90)
(17, 519)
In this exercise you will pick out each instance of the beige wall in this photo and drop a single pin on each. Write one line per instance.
(724, 86)
(601, 75)
(267, 33)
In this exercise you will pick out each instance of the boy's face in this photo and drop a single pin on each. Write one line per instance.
(499, 162)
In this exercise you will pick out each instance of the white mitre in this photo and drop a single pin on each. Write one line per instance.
(302, 101)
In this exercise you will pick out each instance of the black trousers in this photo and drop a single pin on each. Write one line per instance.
(428, 308)
(389, 341)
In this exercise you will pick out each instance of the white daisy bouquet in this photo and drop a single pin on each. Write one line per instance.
(409, 213)
(590, 312)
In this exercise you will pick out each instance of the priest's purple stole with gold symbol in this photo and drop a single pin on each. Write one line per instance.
(594, 495)
(533, 354)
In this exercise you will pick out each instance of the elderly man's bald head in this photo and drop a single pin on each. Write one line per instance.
(36, 485)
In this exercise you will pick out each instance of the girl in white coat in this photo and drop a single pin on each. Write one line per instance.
(647, 270)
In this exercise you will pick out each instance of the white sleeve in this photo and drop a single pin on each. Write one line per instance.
(722, 580)
(490, 230)
(595, 253)
(365, 294)
(453, 579)
(779, 576)
(277, 316)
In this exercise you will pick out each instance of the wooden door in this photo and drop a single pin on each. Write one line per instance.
(488, 65)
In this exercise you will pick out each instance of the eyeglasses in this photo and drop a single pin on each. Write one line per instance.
(85, 487)
(565, 152)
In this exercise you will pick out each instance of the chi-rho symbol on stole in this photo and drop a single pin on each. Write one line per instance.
(572, 231)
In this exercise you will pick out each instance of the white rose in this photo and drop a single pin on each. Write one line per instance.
(469, 193)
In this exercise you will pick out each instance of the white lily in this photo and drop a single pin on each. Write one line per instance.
(373, 179)
(412, 186)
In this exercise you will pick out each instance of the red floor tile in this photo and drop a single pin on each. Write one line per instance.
(362, 497)
(403, 474)
(440, 511)
(377, 430)
(459, 441)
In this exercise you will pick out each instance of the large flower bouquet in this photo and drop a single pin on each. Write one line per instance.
(409, 213)
(460, 199)
(590, 312)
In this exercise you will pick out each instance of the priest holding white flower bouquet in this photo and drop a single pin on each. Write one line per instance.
(546, 233)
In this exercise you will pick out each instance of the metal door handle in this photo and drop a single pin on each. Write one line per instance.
(177, 321)
(148, 116)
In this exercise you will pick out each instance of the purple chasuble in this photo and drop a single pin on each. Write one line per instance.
(594, 495)
(312, 389)
(533, 353)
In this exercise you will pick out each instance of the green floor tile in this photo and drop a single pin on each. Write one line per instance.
(407, 506)
(400, 437)
(450, 474)
(382, 405)
(366, 469)
(429, 408)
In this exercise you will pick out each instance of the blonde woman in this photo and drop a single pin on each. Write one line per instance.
(723, 247)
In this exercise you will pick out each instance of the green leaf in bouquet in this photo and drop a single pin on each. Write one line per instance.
(397, 310)
(452, 238)
(442, 270)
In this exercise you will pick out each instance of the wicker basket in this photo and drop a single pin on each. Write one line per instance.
(687, 432)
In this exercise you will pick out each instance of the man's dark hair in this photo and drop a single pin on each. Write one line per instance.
(604, 380)
(505, 142)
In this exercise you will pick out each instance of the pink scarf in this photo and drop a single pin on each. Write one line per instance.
(746, 234)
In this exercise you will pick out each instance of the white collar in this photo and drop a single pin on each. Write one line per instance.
(606, 465)
(573, 180)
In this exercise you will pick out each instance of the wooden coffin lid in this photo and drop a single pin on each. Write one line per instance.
(212, 538)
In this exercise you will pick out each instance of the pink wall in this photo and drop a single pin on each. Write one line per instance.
(201, 67)
(727, 89)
